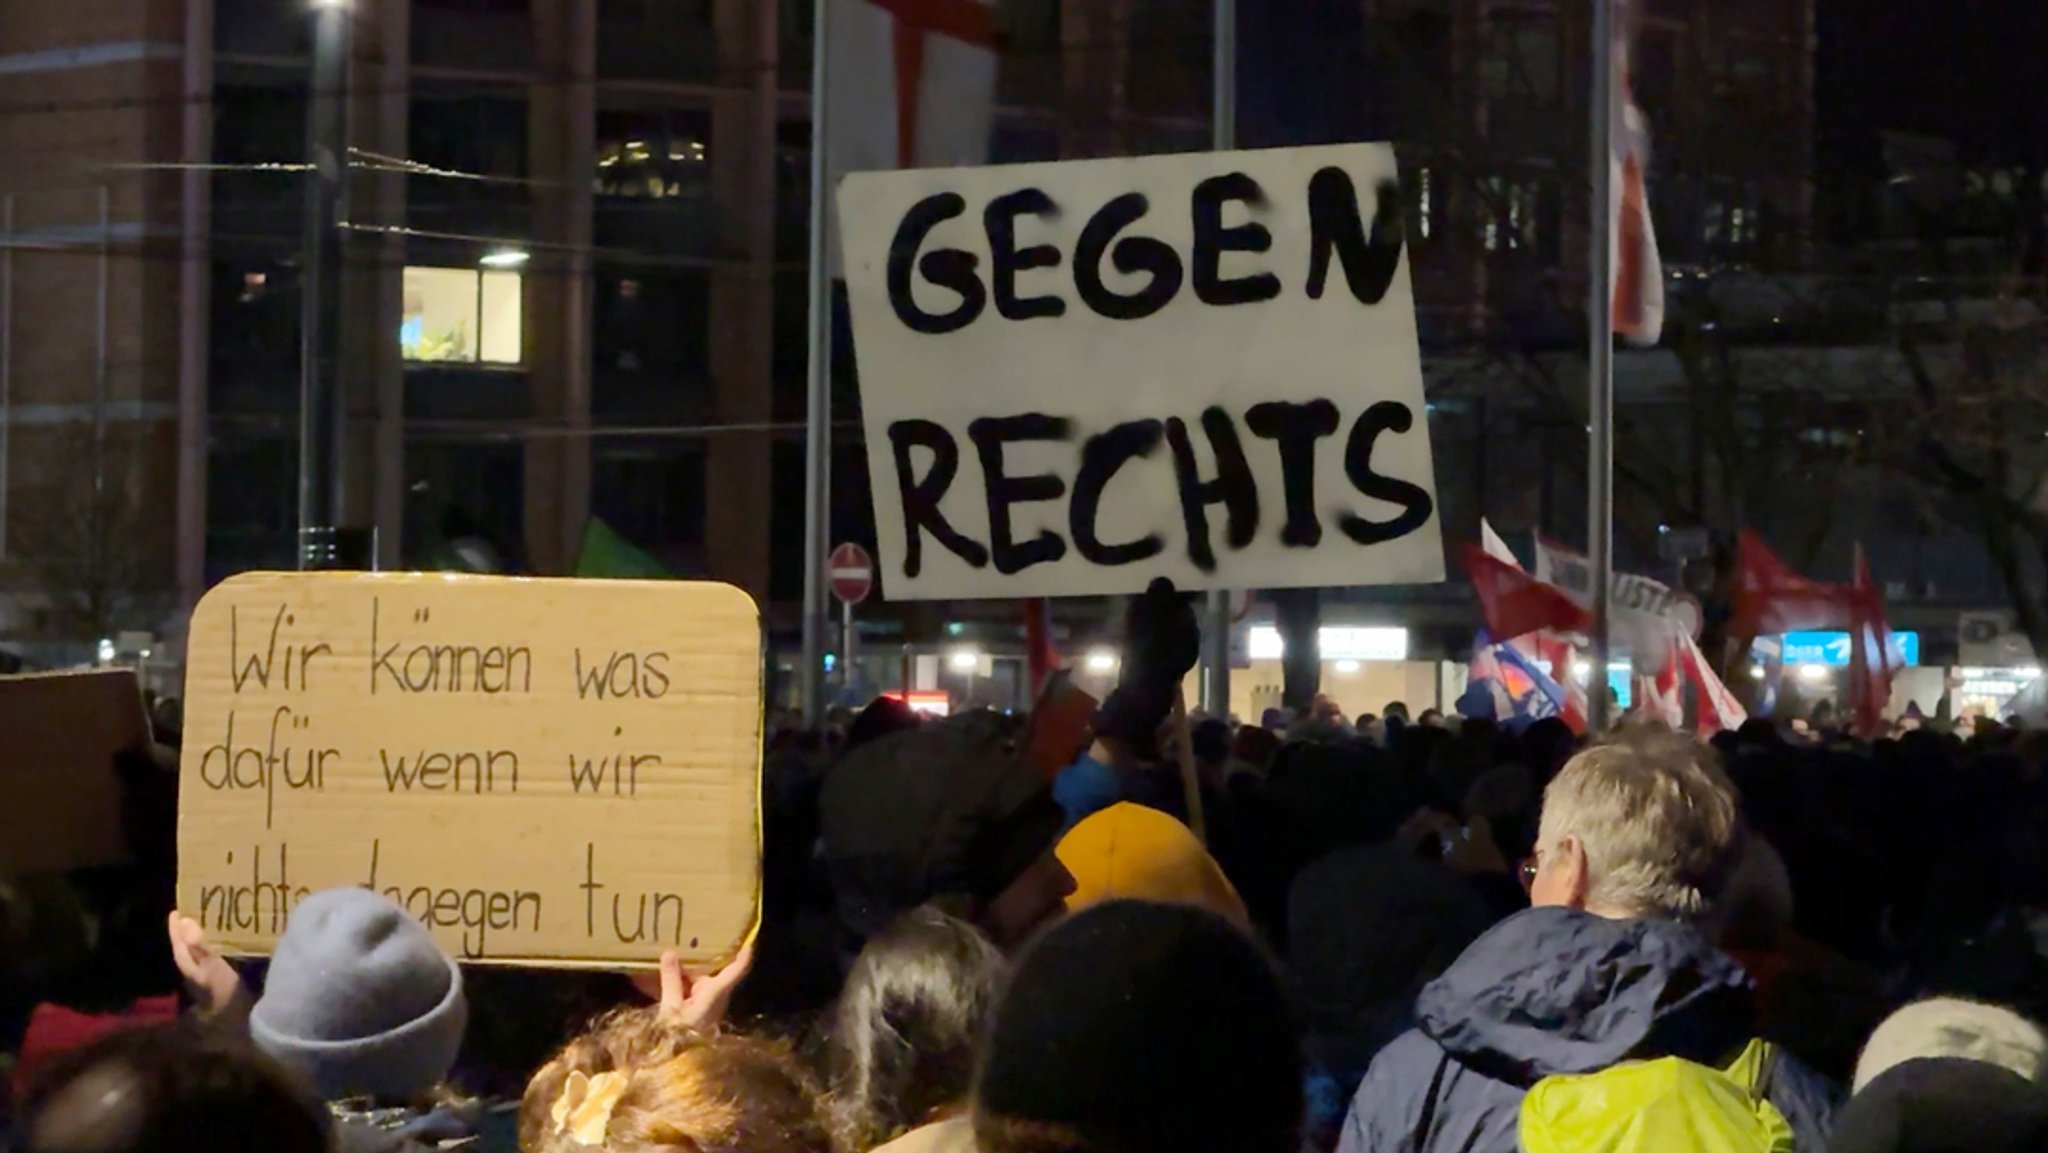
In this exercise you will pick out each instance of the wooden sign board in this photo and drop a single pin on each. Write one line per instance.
(544, 772)
(60, 802)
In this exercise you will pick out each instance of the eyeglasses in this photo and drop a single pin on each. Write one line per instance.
(1528, 872)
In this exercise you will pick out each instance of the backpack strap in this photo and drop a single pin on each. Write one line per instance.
(1755, 1069)
(1766, 1073)
(1429, 1103)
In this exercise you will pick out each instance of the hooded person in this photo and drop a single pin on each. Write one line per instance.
(1605, 974)
(948, 813)
(1944, 1105)
(1128, 851)
(365, 1007)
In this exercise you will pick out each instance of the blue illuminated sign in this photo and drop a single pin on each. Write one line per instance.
(1832, 648)
(1623, 685)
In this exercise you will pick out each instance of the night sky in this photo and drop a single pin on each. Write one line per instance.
(1971, 71)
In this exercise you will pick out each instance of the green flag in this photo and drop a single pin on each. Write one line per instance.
(609, 556)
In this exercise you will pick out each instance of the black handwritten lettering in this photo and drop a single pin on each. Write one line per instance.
(259, 666)
(1234, 487)
(442, 772)
(947, 268)
(1296, 428)
(990, 435)
(1101, 457)
(1006, 260)
(623, 674)
(249, 768)
(447, 668)
(1416, 505)
(1212, 240)
(622, 769)
(657, 917)
(477, 912)
(1131, 255)
(921, 496)
(1334, 226)
(261, 906)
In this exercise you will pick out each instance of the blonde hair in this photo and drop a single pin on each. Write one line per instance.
(1656, 816)
(683, 1090)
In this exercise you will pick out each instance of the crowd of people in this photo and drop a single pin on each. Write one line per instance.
(1388, 937)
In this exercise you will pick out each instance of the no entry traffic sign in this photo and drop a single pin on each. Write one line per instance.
(852, 572)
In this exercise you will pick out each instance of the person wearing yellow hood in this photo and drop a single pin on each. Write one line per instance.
(1131, 852)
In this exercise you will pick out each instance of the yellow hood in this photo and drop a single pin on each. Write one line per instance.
(1131, 852)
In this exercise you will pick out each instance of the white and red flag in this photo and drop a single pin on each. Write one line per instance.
(1638, 267)
(913, 85)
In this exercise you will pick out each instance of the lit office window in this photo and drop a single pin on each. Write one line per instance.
(463, 315)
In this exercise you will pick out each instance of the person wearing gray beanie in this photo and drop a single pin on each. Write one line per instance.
(361, 1001)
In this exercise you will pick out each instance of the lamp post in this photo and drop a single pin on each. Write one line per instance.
(319, 545)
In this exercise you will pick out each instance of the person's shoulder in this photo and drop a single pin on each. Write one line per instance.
(1412, 1056)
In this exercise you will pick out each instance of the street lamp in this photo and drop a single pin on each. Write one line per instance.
(1102, 661)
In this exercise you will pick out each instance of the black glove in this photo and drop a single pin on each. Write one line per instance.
(1162, 641)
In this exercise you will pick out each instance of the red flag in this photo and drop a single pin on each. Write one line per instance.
(1041, 656)
(1771, 598)
(1718, 708)
(1516, 603)
(1870, 651)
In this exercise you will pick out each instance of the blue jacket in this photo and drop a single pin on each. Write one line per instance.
(1554, 991)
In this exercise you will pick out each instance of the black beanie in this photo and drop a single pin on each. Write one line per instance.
(1944, 1105)
(1146, 1028)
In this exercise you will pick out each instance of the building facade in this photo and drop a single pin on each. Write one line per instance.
(574, 282)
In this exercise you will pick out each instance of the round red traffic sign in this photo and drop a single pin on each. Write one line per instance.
(852, 572)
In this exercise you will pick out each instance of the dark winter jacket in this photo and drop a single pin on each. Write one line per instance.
(1553, 991)
(362, 1128)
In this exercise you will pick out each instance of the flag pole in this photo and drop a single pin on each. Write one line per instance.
(1223, 127)
(1600, 386)
(818, 408)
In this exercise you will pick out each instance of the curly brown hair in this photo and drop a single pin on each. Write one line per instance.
(685, 1090)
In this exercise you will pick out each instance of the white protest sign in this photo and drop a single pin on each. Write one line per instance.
(1078, 377)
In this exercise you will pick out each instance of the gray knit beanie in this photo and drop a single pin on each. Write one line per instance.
(360, 1000)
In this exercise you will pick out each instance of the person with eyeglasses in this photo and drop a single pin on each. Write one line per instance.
(1607, 971)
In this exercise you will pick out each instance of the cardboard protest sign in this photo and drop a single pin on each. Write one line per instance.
(60, 802)
(1077, 377)
(541, 771)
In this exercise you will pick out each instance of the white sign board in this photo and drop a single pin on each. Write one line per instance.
(1647, 614)
(1078, 377)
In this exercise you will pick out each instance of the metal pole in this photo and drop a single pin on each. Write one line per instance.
(1600, 348)
(848, 648)
(100, 382)
(1223, 129)
(320, 290)
(6, 359)
(818, 412)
